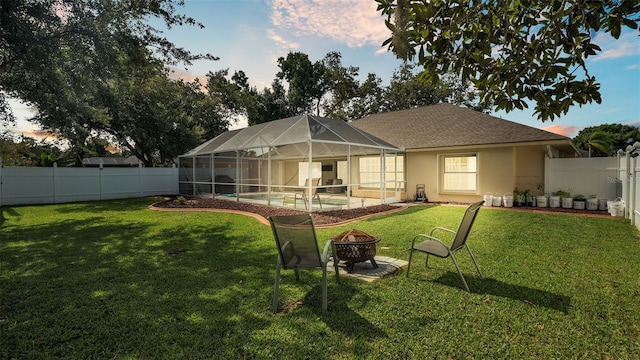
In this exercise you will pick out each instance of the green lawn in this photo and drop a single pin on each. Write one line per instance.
(113, 279)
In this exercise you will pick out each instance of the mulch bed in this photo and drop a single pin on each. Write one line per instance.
(327, 217)
(319, 218)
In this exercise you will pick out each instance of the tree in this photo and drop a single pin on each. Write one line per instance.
(369, 99)
(601, 141)
(157, 119)
(606, 139)
(513, 51)
(307, 82)
(270, 104)
(63, 57)
(233, 98)
(25, 151)
(341, 85)
(406, 91)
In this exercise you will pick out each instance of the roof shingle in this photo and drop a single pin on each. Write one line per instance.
(446, 125)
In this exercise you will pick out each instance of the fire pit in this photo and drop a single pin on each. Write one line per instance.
(355, 246)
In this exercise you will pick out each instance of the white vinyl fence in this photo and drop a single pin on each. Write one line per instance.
(42, 185)
(607, 178)
(585, 176)
(629, 171)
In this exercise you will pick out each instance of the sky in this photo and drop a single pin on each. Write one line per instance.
(250, 35)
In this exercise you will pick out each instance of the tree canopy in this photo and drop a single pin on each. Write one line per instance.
(513, 51)
(74, 62)
(606, 139)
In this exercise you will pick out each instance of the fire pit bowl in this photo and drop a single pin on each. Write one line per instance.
(355, 246)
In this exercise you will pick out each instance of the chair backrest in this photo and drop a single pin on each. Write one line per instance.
(465, 225)
(296, 240)
(315, 182)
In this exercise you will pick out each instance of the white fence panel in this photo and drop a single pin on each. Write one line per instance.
(37, 185)
(76, 184)
(585, 176)
(27, 185)
(118, 183)
(158, 181)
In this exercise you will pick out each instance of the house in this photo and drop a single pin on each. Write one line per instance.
(460, 154)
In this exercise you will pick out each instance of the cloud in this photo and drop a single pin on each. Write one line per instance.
(355, 23)
(627, 45)
(38, 134)
(280, 41)
(632, 67)
(568, 131)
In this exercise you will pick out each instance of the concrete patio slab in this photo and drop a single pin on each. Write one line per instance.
(365, 271)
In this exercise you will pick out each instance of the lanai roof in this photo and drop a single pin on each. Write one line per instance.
(446, 125)
(293, 130)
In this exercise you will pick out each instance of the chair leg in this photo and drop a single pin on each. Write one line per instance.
(336, 269)
(274, 307)
(409, 264)
(459, 272)
(474, 261)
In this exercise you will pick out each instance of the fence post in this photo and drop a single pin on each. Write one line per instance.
(100, 172)
(175, 174)
(630, 204)
(55, 182)
(139, 180)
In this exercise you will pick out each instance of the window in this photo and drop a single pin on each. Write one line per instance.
(370, 174)
(460, 173)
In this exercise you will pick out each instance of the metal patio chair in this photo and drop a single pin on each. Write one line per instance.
(298, 249)
(304, 195)
(435, 246)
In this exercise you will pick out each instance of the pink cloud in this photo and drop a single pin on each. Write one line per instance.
(354, 22)
(39, 134)
(568, 131)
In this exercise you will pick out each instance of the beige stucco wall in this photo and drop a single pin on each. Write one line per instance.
(500, 170)
(529, 168)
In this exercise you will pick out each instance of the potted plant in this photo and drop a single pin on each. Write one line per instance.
(565, 197)
(554, 199)
(519, 198)
(579, 202)
(529, 198)
(541, 200)
(592, 202)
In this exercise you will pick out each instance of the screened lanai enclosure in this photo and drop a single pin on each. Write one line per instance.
(304, 162)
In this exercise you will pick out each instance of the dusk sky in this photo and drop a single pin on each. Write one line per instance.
(250, 35)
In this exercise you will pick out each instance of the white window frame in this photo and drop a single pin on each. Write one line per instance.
(389, 171)
(442, 172)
